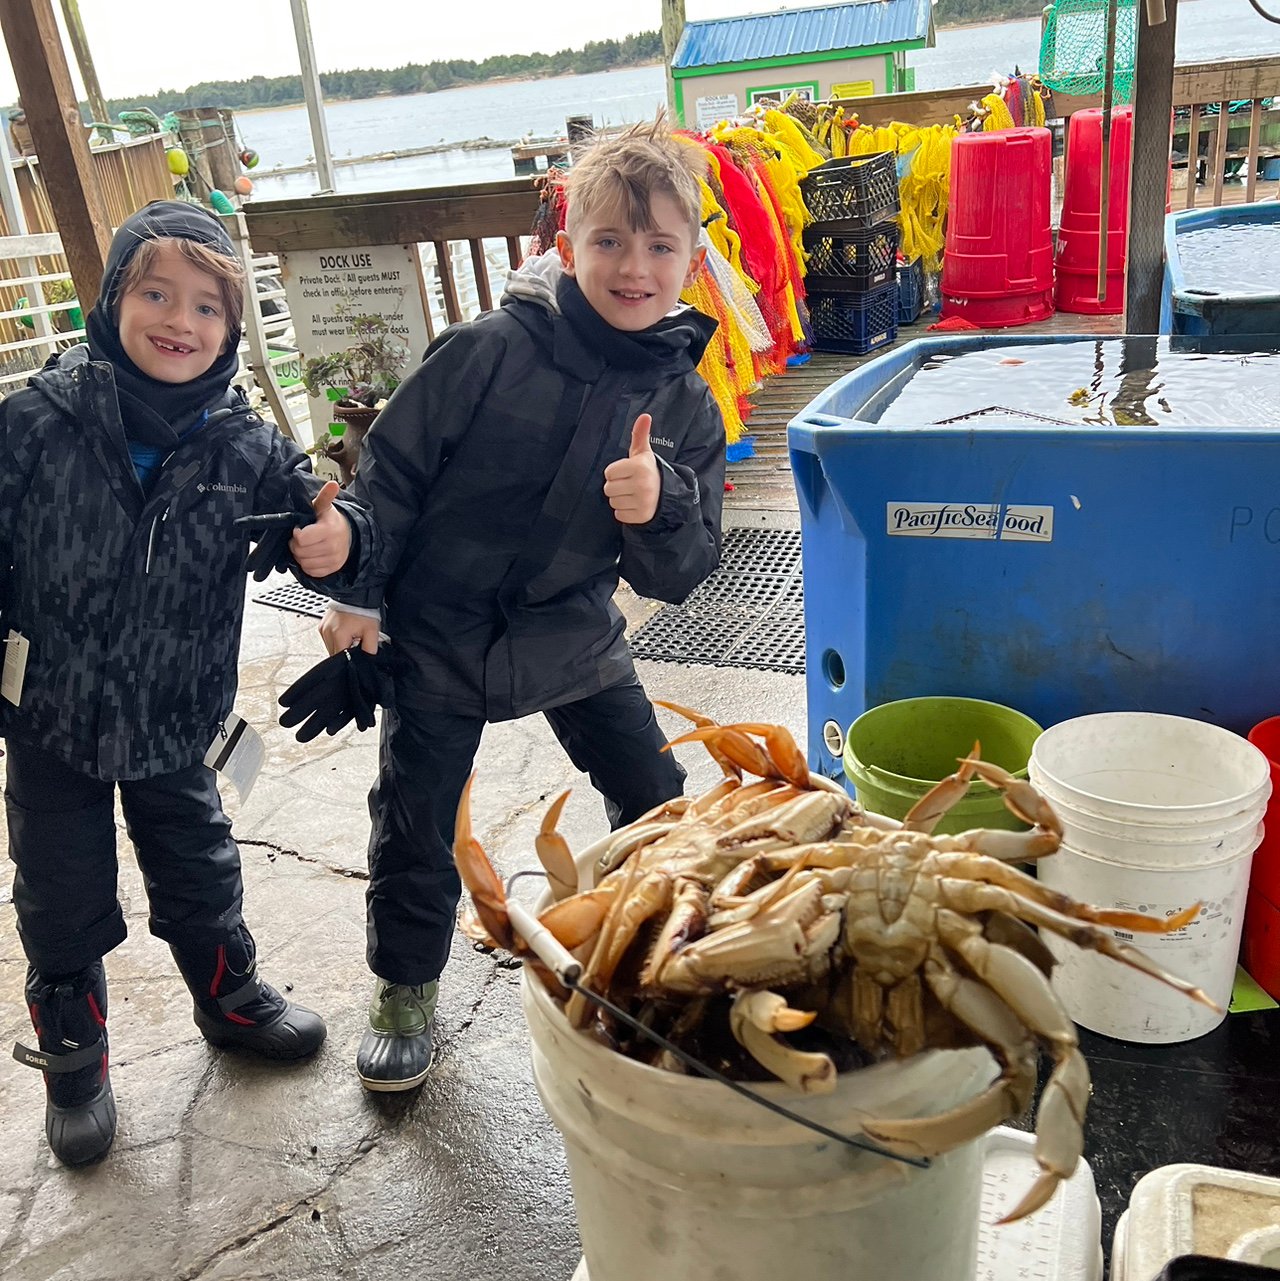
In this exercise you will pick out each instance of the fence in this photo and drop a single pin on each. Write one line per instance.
(1230, 148)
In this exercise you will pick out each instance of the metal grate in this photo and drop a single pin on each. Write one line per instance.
(296, 599)
(749, 613)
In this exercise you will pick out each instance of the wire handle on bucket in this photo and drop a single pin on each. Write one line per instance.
(556, 958)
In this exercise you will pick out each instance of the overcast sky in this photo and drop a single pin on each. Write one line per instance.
(139, 49)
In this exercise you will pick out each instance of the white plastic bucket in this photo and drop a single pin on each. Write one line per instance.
(1158, 812)
(679, 1177)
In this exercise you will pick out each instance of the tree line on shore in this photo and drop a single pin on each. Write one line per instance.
(413, 77)
(417, 77)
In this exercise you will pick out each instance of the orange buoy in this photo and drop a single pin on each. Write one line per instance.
(243, 185)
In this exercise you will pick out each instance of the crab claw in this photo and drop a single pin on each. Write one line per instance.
(1020, 797)
(755, 1017)
(782, 751)
(554, 853)
(731, 743)
(487, 894)
(703, 722)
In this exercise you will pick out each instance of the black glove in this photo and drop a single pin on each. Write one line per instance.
(346, 687)
(272, 532)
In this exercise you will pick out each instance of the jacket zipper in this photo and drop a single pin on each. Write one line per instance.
(156, 522)
(164, 515)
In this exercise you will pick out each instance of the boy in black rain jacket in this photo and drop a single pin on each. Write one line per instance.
(124, 467)
(537, 454)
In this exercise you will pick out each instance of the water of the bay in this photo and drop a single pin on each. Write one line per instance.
(1117, 382)
(1207, 29)
(1244, 259)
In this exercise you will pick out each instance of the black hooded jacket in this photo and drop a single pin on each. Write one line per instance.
(132, 601)
(485, 473)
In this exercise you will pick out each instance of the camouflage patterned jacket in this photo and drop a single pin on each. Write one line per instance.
(500, 553)
(132, 603)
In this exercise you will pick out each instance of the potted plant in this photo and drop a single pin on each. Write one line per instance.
(356, 381)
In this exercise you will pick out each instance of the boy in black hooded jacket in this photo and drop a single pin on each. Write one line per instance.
(535, 455)
(125, 467)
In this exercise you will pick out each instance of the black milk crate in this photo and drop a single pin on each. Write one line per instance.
(855, 323)
(910, 291)
(850, 257)
(860, 190)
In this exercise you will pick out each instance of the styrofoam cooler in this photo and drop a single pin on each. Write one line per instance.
(1158, 813)
(1184, 1209)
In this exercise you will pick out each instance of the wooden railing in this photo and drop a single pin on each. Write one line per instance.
(1244, 140)
(436, 216)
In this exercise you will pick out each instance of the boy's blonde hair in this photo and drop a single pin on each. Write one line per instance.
(625, 171)
(226, 271)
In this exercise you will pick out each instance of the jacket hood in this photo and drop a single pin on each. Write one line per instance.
(535, 280)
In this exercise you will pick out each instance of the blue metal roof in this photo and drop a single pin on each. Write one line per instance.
(796, 32)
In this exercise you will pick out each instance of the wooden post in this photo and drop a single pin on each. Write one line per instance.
(315, 99)
(88, 73)
(44, 85)
(208, 135)
(1148, 182)
(672, 29)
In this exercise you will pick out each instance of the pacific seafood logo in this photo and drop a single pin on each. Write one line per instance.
(1008, 522)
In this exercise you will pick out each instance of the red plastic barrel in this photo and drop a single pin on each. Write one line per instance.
(1261, 944)
(1265, 877)
(998, 265)
(1078, 239)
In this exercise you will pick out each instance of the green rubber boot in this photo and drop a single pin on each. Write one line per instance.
(396, 1052)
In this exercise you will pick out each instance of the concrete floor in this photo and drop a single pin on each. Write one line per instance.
(225, 1168)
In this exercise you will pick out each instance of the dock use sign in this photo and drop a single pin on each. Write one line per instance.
(1008, 522)
(328, 288)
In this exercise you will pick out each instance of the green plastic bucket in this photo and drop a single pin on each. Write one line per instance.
(894, 753)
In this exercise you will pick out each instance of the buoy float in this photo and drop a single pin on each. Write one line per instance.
(243, 185)
(221, 204)
(179, 165)
(249, 158)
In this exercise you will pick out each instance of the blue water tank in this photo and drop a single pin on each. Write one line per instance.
(1056, 569)
(1214, 308)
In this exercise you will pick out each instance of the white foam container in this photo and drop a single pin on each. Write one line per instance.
(1196, 1209)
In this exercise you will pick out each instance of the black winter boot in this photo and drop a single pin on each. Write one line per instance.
(235, 1009)
(70, 1019)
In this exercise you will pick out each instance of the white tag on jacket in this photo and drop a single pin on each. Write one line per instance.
(237, 754)
(16, 647)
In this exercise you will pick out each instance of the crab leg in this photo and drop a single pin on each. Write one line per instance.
(1020, 797)
(732, 744)
(966, 896)
(730, 768)
(929, 810)
(787, 758)
(1018, 984)
(993, 1023)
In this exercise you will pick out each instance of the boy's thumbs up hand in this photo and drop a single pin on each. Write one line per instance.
(322, 549)
(632, 484)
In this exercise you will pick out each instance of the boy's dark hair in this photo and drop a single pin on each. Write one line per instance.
(624, 171)
(228, 272)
